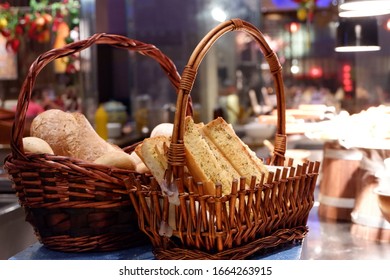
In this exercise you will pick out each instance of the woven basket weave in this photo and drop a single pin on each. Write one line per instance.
(74, 205)
(246, 221)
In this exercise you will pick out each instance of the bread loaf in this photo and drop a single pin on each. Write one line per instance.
(70, 134)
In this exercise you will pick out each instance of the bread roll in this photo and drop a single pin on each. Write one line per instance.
(36, 145)
(70, 134)
(162, 129)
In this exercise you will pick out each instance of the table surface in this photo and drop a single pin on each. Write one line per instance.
(331, 240)
(325, 241)
(39, 252)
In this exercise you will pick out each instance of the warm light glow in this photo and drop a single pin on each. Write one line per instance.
(348, 88)
(347, 68)
(388, 25)
(347, 75)
(218, 14)
(357, 49)
(363, 13)
(315, 72)
(294, 69)
(347, 81)
(364, 8)
(294, 27)
(367, 4)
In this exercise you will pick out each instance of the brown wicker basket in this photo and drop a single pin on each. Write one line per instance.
(74, 205)
(243, 223)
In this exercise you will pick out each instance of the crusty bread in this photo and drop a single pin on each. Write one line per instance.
(93, 146)
(117, 159)
(222, 160)
(56, 128)
(214, 154)
(140, 166)
(202, 163)
(152, 151)
(36, 145)
(70, 134)
(241, 157)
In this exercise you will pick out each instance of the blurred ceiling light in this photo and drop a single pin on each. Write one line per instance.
(316, 72)
(218, 14)
(294, 69)
(364, 8)
(294, 27)
(357, 35)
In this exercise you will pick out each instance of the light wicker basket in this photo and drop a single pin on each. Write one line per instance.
(246, 221)
(74, 205)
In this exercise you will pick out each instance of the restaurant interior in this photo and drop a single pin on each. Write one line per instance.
(336, 94)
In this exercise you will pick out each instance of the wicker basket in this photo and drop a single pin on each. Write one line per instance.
(74, 205)
(244, 222)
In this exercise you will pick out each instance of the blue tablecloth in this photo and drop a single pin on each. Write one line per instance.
(39, 252)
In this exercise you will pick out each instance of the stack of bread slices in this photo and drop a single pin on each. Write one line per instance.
(214, 155)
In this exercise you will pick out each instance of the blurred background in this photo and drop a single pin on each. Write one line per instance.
(327, 86)
(301, 32)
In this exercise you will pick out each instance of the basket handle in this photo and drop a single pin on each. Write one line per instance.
(176, 155)
(100, 38)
